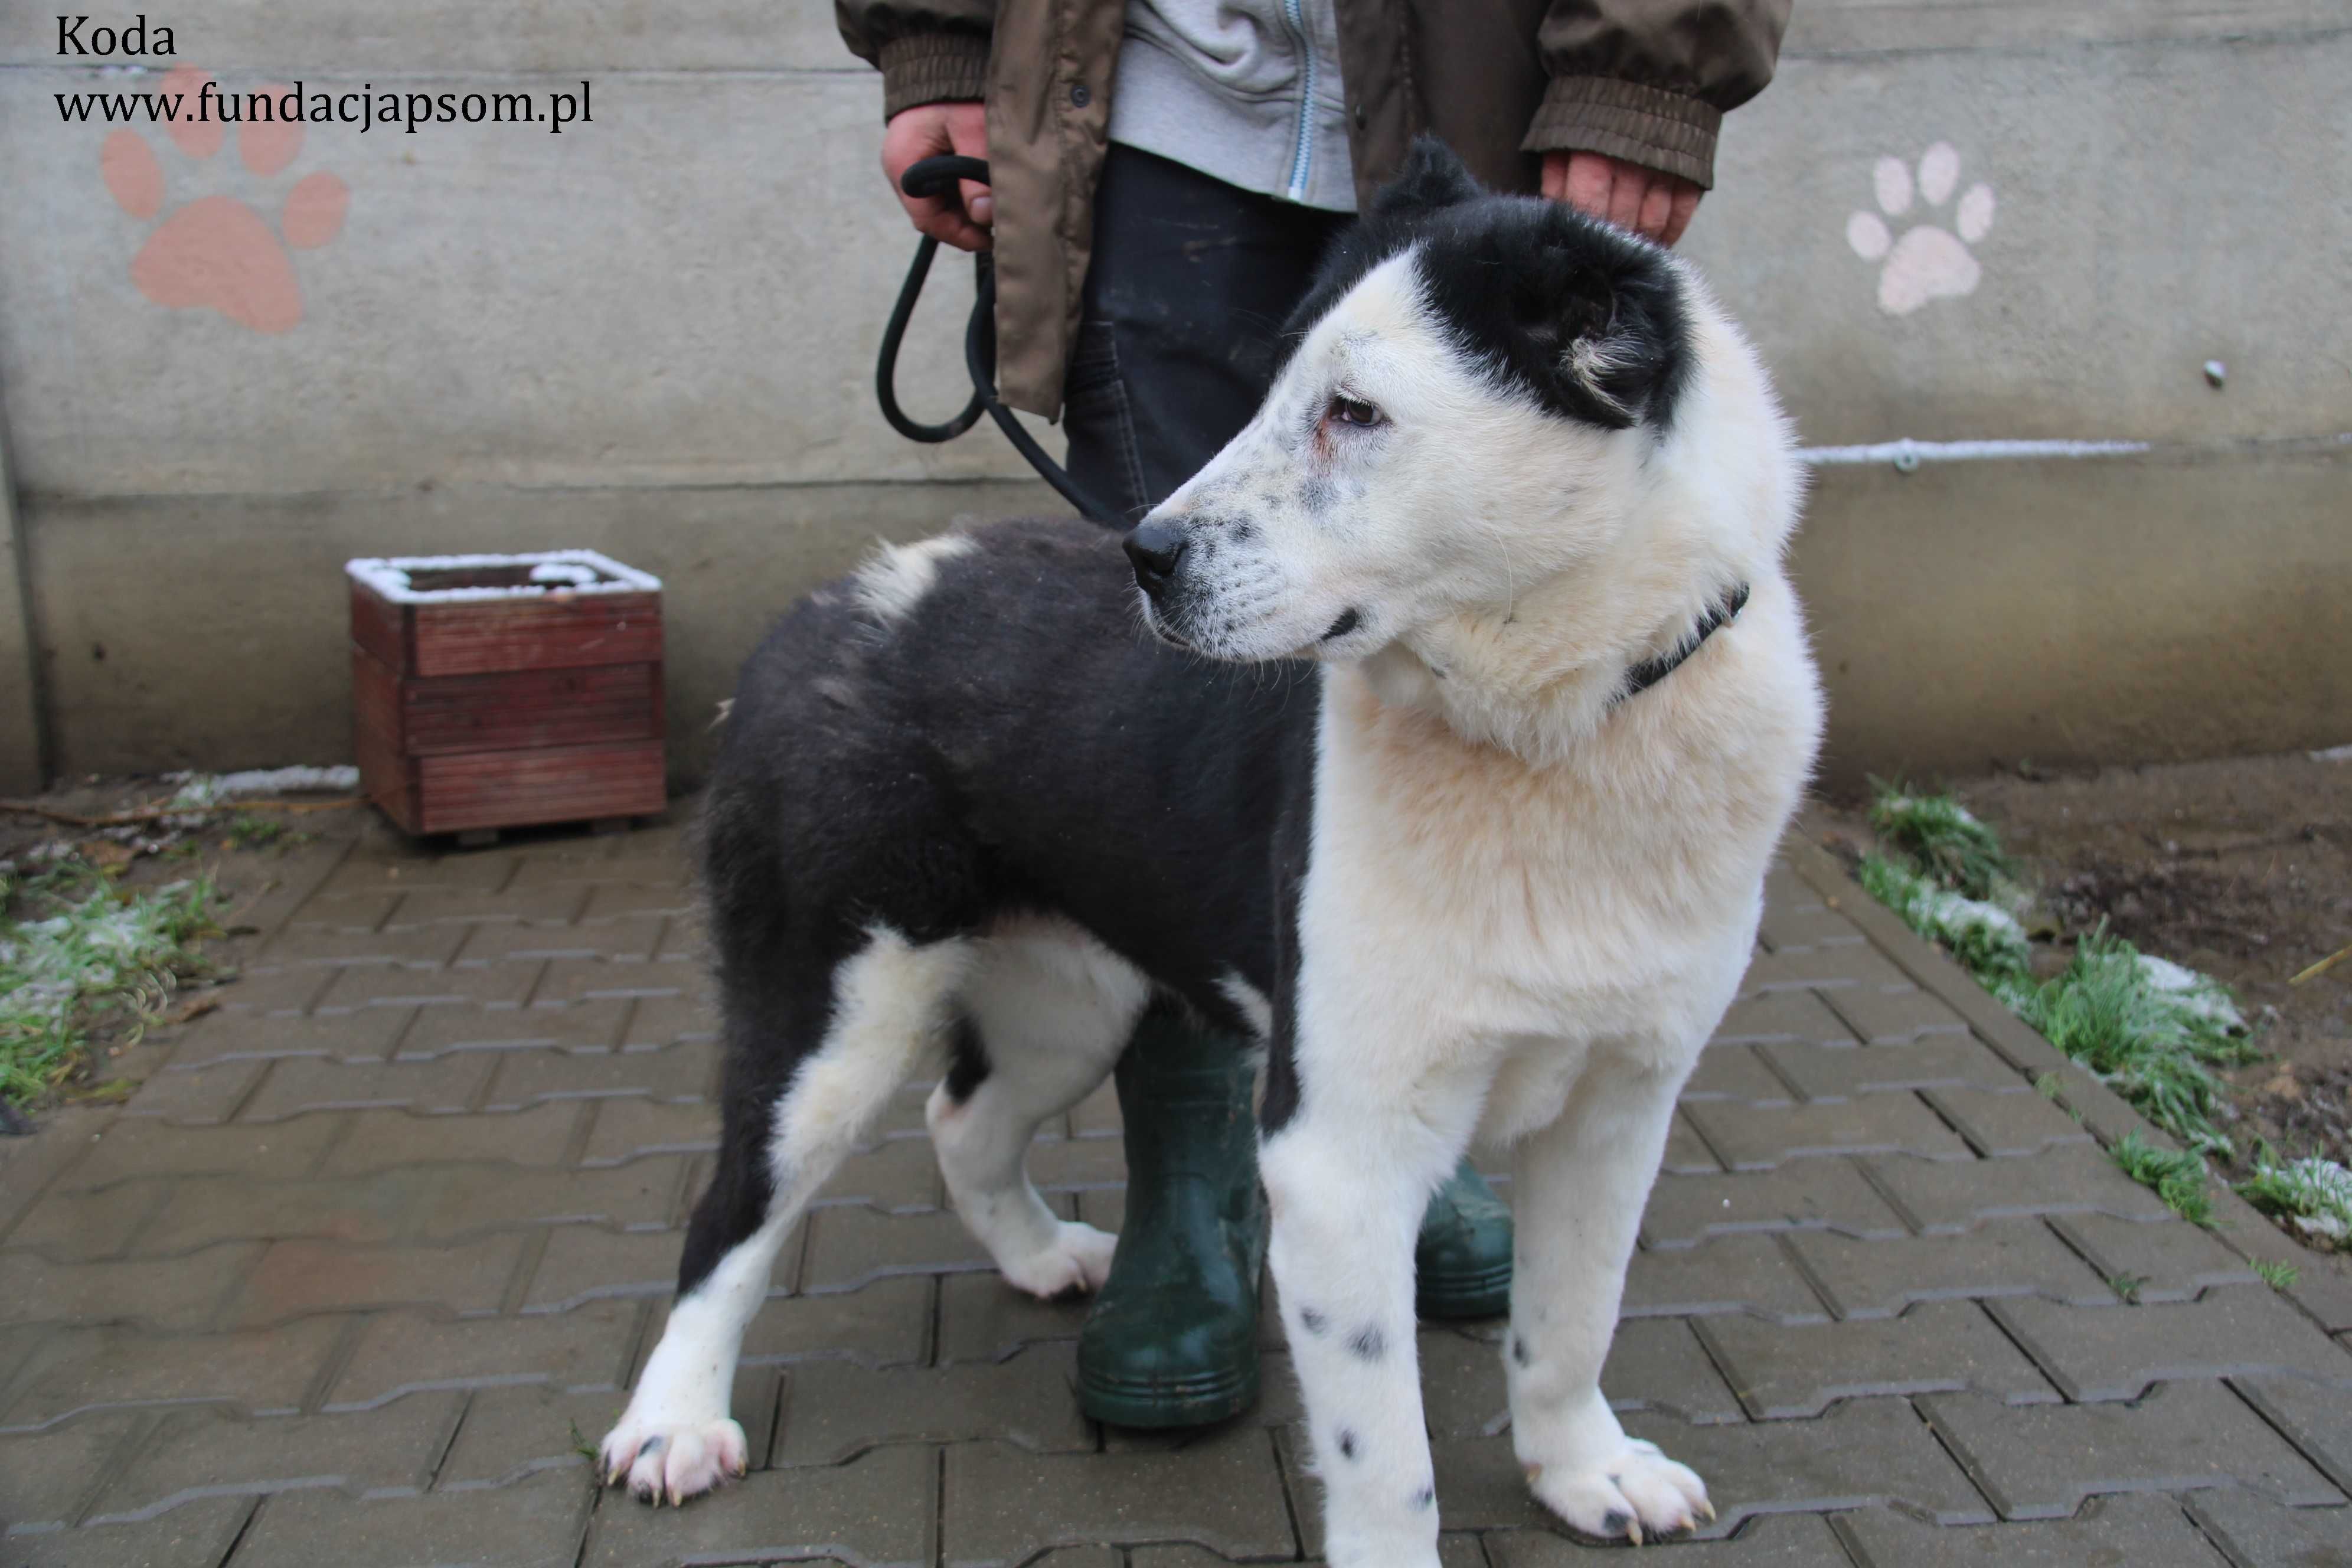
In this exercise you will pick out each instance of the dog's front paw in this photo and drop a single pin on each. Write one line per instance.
(1077, 1263)
(1637, 1494)
(670, 1461)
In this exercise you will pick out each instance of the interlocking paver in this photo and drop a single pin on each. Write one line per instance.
(2255, 1532)
(2162, 1261)
(2006, 1123)
(983, 1319)
(46, 1477)
(2040, 1461)
(308, 1085)
(399, 1353)
(2316, 1417)
(584, 1025)
(1786, 1541)
(1841, 1072)
(1735, 1072)
(1781, 1370)
(1894, 1014)
(182, 1293)
(224, 1036)
(295, 1278)
(2000, 1257)
(505, 1434)
(358, 988)
(194, 1453)
(585, 1263)
(383, 1139)
(263, 1153)
(836, 1410)
(534, 1522)
(1729, 1274)
(412, 1203)
(631, 1129)
(2140, 1531)
(1223, 1493)
(91, 1367)
(1808, 1194)
(204, 1096)
(414, 947)
(570, 980)
(2113, 1353)
(656, 1021)
(880, 1512)
(1757, 1138)
(1782, 1016)
(199, 1533)
(2072, 1178)
(71, 1226)
(682, 1072)
(502, 1108)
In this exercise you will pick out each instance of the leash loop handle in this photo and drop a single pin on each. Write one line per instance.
(929, 177)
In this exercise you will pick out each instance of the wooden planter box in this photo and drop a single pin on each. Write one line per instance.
(500, 691)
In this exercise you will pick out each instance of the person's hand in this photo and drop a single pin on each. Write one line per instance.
(922, 131)
(1654, 206)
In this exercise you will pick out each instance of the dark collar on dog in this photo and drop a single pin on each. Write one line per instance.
(1643, 675)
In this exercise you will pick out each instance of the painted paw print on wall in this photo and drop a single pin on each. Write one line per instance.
(216, 250)
(1929, 262)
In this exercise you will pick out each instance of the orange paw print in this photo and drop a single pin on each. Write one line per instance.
(215, 250)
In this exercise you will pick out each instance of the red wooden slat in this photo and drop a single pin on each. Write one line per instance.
(555, 783)
(558, 632)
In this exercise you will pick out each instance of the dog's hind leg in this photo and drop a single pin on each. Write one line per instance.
(884, 1019)
(1577, 1187)
(1046, 1011)
(1347, 1178)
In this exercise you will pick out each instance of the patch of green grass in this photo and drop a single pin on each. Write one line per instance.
(75, 950)
(1945, 840)
(1983, 936)
(2127, 1287)
(2152, 1031)
(2049, 1086)
(2312, 1195)
(2177, 1176)
(2277, 1275)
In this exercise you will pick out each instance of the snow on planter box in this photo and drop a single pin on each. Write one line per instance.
(499, 690)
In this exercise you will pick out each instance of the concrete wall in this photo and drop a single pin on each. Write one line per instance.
(654, 336)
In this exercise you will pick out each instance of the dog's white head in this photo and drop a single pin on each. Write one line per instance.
(1475, 385)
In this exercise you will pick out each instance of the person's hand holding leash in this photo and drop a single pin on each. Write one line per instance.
(1654, 206)
(922, 131)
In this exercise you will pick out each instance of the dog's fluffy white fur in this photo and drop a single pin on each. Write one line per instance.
(1522, 898)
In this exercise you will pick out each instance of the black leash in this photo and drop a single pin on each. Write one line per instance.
(929, 177)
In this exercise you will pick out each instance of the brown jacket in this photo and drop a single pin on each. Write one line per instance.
(1500, 80)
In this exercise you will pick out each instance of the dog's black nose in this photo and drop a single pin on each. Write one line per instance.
(1154, 547)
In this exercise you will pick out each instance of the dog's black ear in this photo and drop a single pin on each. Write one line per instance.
(1604, 315)
(1431, 178)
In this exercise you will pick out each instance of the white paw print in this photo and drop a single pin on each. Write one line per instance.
(1929, 262)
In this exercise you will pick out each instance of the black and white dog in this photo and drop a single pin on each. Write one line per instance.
(1468, 702)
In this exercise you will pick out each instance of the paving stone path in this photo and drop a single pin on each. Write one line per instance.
(353, 1278)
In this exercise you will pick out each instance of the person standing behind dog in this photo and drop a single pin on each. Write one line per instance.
(1164, 175)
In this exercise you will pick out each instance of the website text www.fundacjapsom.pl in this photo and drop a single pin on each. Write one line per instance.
(364, 106)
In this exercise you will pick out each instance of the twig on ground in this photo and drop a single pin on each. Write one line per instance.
(2323, 966)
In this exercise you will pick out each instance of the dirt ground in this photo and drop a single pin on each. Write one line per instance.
(2240, 867)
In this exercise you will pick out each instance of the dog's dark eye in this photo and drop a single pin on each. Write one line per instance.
(1354, 411)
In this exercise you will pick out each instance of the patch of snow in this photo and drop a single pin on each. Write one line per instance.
(2333, 754)
(2197, 995)
(389, 575)
(1963, 451)
(199, 791)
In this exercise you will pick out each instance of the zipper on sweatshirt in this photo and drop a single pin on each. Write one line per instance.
(1302, 150)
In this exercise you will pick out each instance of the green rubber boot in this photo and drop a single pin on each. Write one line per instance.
(1172, 1340)
(1461, 1264)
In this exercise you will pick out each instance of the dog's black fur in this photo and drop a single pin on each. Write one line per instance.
(1014, 744)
